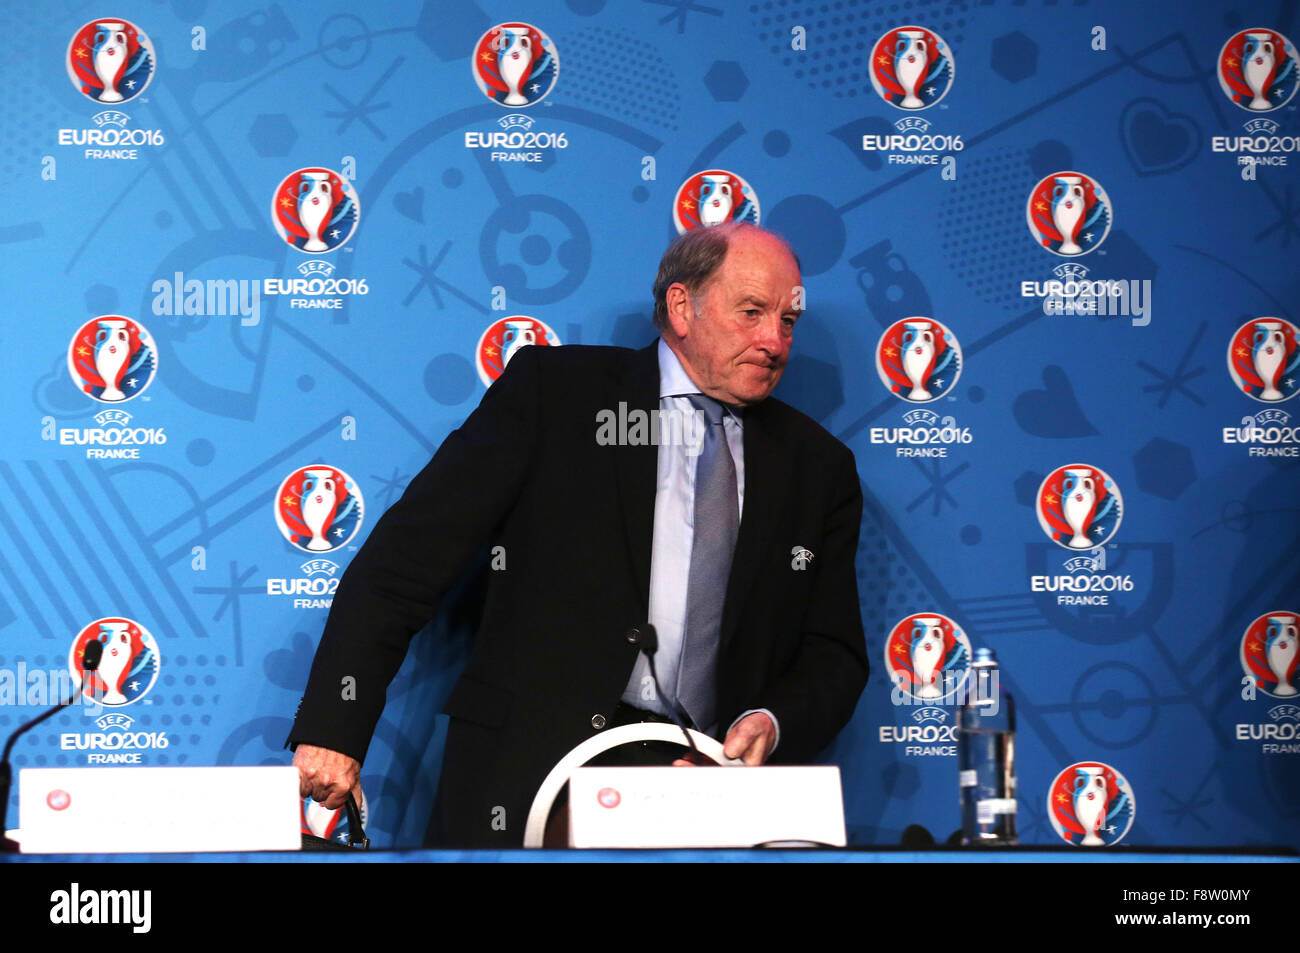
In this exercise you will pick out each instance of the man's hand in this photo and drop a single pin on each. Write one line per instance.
(327, 776)
(751, 740)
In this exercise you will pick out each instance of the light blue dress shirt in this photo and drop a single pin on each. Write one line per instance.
(674, 528)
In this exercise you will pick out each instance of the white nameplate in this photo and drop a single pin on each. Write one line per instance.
(146, 810)
(705, 807)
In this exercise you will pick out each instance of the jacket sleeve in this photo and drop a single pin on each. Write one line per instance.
(818, 693)
(415, 553)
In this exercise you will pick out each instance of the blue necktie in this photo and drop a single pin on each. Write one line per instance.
(717, 522)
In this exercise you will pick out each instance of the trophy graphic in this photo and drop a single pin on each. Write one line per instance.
(517, 334)
(315, 199)
(1080, 494)
(1268, 351)
(910, 60)
(110, 59)
(1090, 803)
(319, 501)
(1258, 58)
(1067, 211)
(716, 200)
(1280, 652)
(918, 357)
(112, 348)
(514, 58)
(927, 656)
(116, 662)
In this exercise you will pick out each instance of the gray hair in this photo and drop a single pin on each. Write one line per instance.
(692, 260)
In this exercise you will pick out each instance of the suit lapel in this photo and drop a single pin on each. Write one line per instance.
(638, 467)
(767, 476)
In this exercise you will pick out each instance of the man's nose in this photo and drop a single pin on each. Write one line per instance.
(768, 336)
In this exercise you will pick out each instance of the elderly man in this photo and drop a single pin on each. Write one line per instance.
(735, 540)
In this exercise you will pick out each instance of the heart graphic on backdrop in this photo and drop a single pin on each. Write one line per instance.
(411, 204)
(1155, 140)
(1053, 411)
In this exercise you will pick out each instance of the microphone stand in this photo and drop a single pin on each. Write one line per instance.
(90, 662)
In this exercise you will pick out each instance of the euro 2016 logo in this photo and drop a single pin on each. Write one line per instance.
(714, 197)
(911, 68)
(918, 359)
(318, 508)
(112, 359)
(1091, 805)
(1264, 361)
(110, 61)
(1258, 70)
(1268, 653)
(128, 667)
(515, 64)
(1079, 506)
(1069, 214)
(315, 210)
(502, 341)
(927, 656)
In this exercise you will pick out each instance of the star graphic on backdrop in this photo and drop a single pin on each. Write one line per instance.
(682, 8)
(428, 272)
(485, 56)
(490, 351)
(131, 382)
(81, 52)
(1232, 61)
(130, 84)
(900, 649)
(938, 486)
(1286, 218)
(363, 110)
(1255, 647)
(338, 531)
(1087, 236)
(891, 352)
(1168, 383)
(334, 233)
(534, 87)
(1242, 352)
(289, 501)
(1050, 498)
(882, 60)
(1062, 799)
(391, 486)
(1289, 382)
(232, 592)
(937, 382)
(286, 202)
(134, 685)
(1040, 206)
(82, 350)
(687, 203)
(929, 91)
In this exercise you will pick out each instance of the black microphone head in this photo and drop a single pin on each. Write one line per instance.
(93, 652)
(917, 837)
(649, 641)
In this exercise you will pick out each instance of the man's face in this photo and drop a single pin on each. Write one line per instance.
(735, 339)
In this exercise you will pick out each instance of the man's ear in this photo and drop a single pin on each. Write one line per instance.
(680, 310)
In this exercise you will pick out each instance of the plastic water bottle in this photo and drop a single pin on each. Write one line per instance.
(986, 756)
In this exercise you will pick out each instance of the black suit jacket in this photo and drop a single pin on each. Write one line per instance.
(575, 518)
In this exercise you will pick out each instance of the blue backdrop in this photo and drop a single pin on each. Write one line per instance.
(159, 212)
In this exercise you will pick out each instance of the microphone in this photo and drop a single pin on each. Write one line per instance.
(649, 644)
(90, 659)
(916, 837)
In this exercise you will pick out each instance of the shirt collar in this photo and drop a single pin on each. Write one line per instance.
(675, 382)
